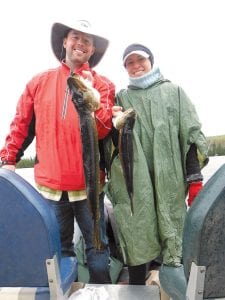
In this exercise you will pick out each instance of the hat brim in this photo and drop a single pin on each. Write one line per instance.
(59, 32)
(139, 52)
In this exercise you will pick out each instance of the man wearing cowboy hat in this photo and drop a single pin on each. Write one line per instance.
(45, 110)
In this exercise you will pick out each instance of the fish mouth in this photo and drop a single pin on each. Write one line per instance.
(77, 82)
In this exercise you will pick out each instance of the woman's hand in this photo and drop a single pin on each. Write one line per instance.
(116, 111)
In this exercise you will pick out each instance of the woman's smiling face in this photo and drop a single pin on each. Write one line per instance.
(137, 65)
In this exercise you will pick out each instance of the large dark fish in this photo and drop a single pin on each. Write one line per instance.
(125, 126)
(85, 104)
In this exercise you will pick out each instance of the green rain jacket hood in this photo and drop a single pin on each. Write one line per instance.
(165, 127)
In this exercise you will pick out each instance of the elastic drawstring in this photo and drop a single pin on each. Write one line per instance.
(65, 102)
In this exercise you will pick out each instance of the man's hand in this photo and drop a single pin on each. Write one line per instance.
(9, 167)
(88, 78)
(90, 94)
(193, 190)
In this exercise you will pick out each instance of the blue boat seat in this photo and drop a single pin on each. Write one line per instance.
(202, 275)
(204, 239)
(30, 250)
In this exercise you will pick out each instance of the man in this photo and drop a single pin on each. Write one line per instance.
(45, 110)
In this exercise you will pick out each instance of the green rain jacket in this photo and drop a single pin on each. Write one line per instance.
(165, 127)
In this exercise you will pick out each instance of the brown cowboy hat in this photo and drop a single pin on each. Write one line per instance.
(59, 32)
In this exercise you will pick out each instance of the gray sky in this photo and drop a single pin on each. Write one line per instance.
(186, 37)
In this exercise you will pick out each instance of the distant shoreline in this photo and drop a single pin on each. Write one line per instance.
(214, 164)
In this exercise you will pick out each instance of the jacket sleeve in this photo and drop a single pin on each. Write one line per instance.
(193, 169)
(21, 129)
(103, 115)
(190, 130)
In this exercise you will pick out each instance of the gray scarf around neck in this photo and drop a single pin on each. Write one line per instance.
(146, 80)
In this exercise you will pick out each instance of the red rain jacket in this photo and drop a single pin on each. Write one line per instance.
(41, 112)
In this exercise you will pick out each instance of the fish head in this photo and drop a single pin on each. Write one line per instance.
(128, 118)
(77, 95)
(81, 94)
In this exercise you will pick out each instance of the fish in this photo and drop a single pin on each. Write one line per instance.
(85, 103)
(125, 125)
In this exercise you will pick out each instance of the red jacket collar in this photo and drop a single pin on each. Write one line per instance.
(84, 67)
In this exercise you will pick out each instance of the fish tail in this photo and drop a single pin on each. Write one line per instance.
(131, 204)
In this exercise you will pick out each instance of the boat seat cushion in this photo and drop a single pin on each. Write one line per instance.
(29, 235)
(204, 235)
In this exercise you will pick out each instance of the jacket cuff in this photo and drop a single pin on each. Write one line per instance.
(7, 162)
(194, 177)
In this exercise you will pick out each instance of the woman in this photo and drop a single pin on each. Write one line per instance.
(166, 138)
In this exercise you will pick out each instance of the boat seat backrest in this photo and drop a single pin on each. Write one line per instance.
(28, 233)
(204, 235)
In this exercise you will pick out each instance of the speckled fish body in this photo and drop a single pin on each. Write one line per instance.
(90, 152)
(126, 150)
